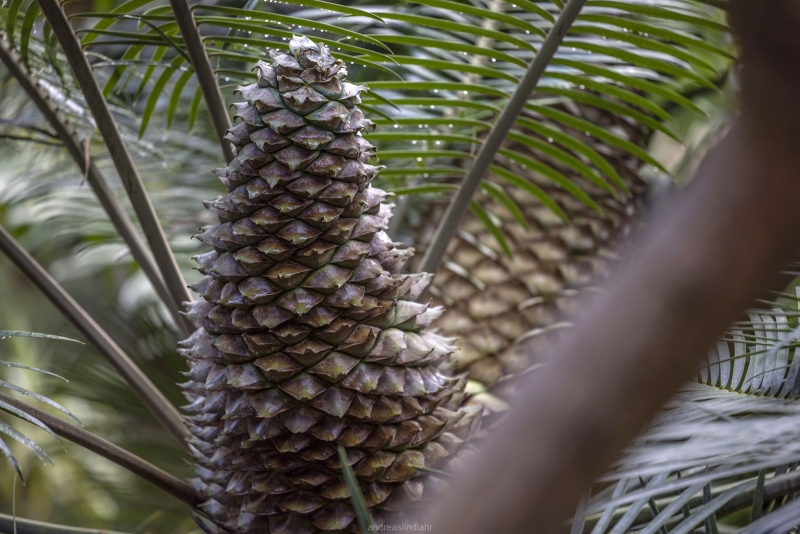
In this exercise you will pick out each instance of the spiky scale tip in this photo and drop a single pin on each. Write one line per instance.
(308, 337)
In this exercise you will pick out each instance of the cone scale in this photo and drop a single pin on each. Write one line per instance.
(308, 337)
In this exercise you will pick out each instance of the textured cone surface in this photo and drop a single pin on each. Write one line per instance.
(308, 337)
(494, 302)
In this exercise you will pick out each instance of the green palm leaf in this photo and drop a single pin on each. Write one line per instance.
(597, 66)
(13, 433)
(704, 441)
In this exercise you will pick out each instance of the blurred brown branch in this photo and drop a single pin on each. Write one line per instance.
(700, 262)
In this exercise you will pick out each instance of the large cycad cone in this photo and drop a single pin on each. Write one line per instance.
(494, 302)
(308, 337)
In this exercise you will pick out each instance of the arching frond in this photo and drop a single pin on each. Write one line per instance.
(9, 430)
(724, 444)
(438, 63)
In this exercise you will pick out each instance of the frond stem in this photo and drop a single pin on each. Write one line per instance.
(144, 388)
(460, 203)
(116, 213)
(143, 469)
(123, 162)
(205, 73)
(29, 526)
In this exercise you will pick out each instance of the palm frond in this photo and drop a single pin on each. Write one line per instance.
(603, 82)
(80, 154)
(428, 61)
(32, 419)
(784, 520)
(491, 145)
(724, 444)
(119, 153)
(159, 478)
(105, 404)
(15, 333)
(150, 395)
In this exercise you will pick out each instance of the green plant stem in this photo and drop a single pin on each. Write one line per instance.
(460, 203)
(363, 516)
(144, 388)
(117, 150)
(145, 470)
(204, 72)
(97, 182)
